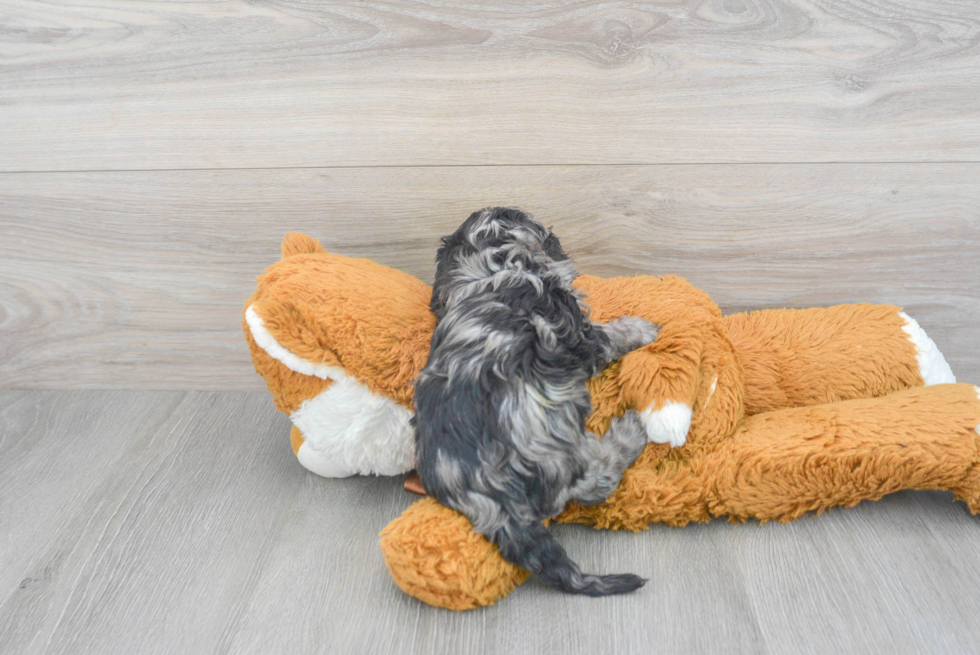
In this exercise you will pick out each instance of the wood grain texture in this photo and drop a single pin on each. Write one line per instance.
(350, 605)
(54, 451)
(137, 279)
(160, 551)
(897, 576)
(197, 531)
(106, 84)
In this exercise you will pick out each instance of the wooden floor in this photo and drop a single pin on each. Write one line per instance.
(180, 522)
(153, 153)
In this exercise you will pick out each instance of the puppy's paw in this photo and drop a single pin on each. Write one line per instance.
(635, 332)
(629, 434)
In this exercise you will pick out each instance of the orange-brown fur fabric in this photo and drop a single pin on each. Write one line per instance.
(790, 410)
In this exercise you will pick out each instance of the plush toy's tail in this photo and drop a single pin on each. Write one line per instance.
(533, 548)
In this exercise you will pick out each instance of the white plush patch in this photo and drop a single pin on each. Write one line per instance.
(977, 389)
(347, 429)
(669, 424)
(932, 365)
(268, 343)
(320, 464)
(356, 431)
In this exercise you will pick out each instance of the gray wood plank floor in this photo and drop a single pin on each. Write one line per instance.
(157, 522)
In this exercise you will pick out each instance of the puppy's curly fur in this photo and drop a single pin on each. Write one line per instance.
(500, 406)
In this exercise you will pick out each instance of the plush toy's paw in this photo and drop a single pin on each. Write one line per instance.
(434, 554)
(668, 423)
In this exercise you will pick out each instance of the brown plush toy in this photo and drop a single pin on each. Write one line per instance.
(765, 415)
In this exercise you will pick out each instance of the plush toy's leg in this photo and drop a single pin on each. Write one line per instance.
(779, 465)
(661, 382)
(800, 357)
(435, 555)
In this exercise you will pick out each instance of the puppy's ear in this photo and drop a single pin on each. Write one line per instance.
(444, 257)
(552, 247)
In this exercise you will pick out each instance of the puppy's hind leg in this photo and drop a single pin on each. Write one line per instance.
(609, 457)
(619, 336)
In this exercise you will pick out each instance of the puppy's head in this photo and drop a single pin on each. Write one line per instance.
(491, 229)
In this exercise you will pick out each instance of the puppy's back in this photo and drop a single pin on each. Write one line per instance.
(501, 404)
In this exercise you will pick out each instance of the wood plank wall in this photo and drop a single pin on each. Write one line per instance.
(776, 153)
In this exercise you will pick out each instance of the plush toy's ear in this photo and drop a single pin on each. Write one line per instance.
(434, 554)
(295, 243)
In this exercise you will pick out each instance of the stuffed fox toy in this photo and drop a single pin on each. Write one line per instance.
(764, 415)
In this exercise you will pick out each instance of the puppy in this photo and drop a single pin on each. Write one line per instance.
(500, 406)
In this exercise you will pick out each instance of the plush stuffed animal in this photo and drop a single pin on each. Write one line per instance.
(763, 415)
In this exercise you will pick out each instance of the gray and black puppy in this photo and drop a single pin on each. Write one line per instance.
(500, 406)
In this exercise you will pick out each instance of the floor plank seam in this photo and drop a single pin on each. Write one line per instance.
(926, 162)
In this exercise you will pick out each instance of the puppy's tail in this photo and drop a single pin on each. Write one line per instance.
(533, 548)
